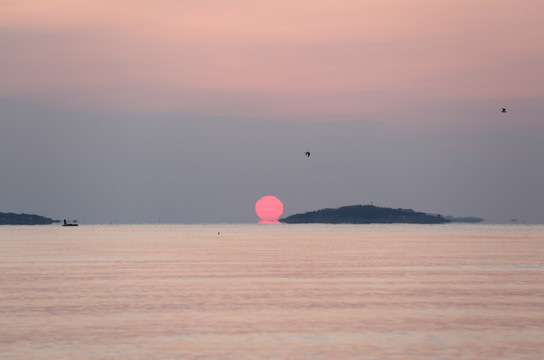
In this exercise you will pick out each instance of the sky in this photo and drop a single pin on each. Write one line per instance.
(190, 111)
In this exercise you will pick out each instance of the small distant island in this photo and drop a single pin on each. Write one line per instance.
(25, 219)
(370, 214)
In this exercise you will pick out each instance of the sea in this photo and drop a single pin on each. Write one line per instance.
(249, 291)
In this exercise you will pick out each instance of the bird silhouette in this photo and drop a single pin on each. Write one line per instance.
(307, 154)
(503, 110)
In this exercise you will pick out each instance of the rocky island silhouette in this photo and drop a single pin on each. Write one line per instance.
(25, 219)
(369, 214)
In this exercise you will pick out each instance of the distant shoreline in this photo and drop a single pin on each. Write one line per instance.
(25, 219)
(370, 214)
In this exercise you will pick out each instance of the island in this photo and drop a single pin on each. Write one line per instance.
(25, 219)
(367, 214)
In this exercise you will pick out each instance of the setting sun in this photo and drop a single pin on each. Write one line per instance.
(269, 209)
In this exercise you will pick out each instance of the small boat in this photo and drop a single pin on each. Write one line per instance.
(69, 224)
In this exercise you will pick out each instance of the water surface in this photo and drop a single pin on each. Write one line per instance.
(272, 292)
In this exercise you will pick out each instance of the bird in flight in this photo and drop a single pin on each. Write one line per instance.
(307, 154)
(503, 110)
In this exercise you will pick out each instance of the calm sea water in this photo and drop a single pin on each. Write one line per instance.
(272, 292)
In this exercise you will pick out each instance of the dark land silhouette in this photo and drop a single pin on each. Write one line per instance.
(24, 219)
(369, 214)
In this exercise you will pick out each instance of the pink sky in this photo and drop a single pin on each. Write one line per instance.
(263, 59)
(192, 110)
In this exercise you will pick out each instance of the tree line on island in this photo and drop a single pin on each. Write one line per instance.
(370, 214)
(25, 219)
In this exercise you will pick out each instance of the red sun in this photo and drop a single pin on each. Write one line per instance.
(269, 209)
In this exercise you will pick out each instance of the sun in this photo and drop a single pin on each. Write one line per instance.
(269, 209)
